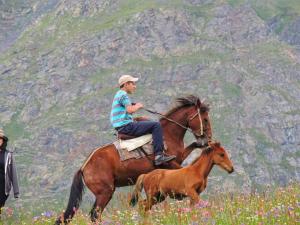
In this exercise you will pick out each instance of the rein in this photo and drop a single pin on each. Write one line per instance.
(182, 126)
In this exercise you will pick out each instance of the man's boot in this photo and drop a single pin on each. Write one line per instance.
(162, 158)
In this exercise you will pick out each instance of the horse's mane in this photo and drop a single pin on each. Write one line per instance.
(187, 101)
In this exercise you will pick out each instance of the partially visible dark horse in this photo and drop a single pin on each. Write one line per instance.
(103, 171)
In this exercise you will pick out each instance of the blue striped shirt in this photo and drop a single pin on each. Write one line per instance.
(119, 115)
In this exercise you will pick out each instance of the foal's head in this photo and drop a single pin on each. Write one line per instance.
(219, 156)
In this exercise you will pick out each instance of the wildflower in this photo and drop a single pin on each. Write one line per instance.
(135, 216)
(202, 204)
(194, 223)
(36, 218)
(47, 214)
(9, 211)
(259, 213)
(276, 212)
(206, 214)
(184, 210)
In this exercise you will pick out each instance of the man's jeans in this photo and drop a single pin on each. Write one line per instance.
(145, 127)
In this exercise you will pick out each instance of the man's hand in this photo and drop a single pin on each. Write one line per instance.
(139, 105)
(134, 108)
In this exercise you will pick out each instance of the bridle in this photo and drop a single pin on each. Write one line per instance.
(195, 133)
(200, 121)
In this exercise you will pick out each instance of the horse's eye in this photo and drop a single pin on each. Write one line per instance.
(206, 122)
(222, 155)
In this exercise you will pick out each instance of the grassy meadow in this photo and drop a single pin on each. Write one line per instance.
(272, 206)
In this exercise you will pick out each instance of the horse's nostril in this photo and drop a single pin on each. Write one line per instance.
(232, 170)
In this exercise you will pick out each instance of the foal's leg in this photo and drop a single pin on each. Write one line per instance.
(153, 198)
(194, 196)
(143, 204)
(151, 195)
(150, 202)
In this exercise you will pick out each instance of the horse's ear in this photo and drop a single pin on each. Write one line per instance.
(198, 103)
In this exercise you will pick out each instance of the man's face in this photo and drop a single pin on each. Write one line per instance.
(130, 87)
(1, 141)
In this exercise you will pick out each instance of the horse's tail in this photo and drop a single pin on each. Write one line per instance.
(137, 190)
(75, 198)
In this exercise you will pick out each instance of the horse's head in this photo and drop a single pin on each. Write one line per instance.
(190, 114)
(199, 122)
(220, 156)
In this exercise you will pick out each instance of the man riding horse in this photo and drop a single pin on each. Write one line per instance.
(103, 171)
(122, 120)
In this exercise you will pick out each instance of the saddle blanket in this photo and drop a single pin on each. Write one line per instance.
(136, 153)
(135, 148)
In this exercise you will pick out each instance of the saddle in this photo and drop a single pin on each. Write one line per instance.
(134, 147)
(125, 136)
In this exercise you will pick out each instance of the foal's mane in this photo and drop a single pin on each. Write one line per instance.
(207, 150)
(187, 101)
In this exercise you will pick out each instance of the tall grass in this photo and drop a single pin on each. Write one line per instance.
(272, 206)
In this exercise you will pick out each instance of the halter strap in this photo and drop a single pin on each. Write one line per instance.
(200, 121)
(182, 126)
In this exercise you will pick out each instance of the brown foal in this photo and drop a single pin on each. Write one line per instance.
(188, 181)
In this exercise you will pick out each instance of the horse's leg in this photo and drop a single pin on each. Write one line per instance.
(102, 199)
(93, 213)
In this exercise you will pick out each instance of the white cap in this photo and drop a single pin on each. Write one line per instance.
(2, 133)
(126, 78)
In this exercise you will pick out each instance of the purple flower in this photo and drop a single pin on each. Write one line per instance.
(47, 214)
(194, 223)
(202, 204)
(35, 218)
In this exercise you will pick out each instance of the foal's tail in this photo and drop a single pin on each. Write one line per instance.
(75, 198)
(137, 190)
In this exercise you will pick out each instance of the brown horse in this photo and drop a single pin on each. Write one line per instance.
(189, 181)
(103, 171)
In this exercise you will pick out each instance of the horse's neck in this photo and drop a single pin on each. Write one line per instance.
(173, 131)
(203, 165)
(173, 135)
